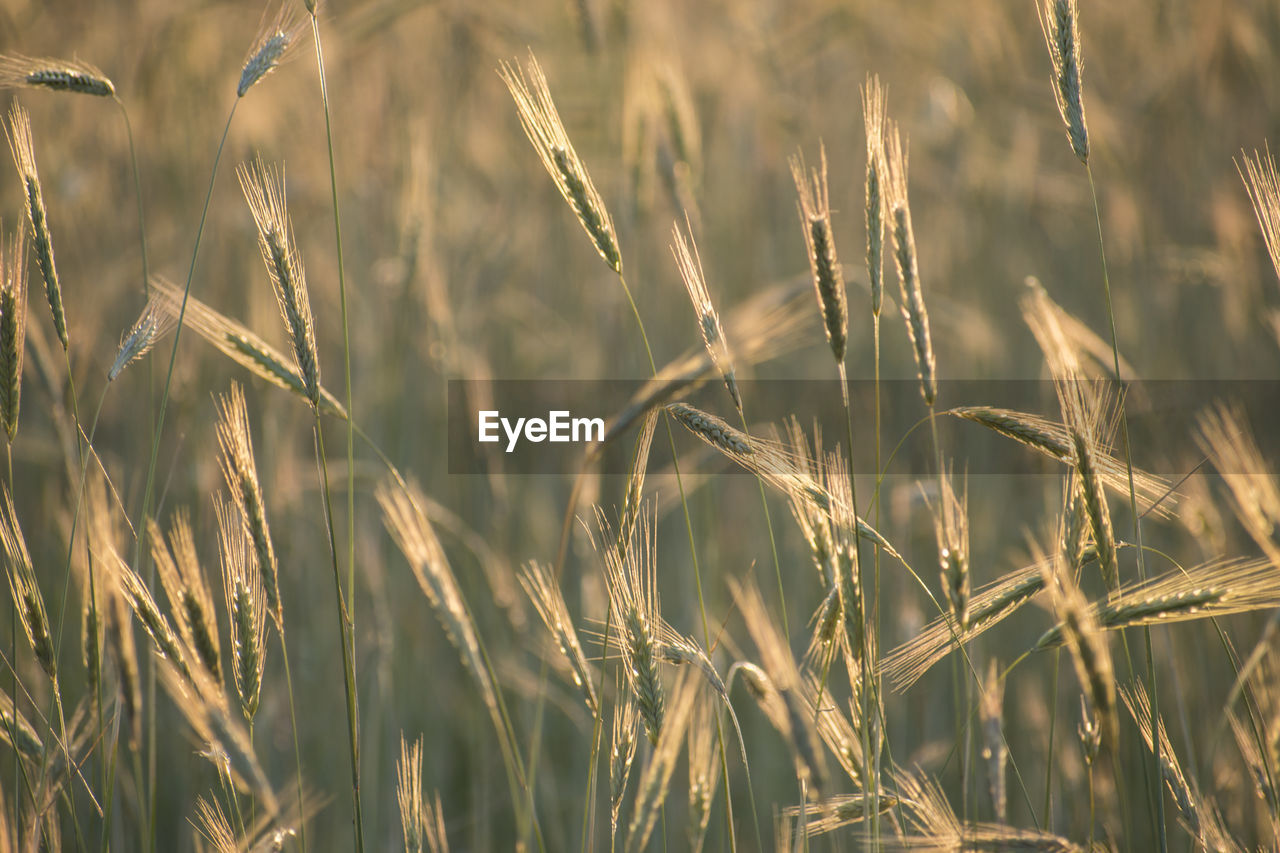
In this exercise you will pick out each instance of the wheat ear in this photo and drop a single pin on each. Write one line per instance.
(13, 328)
(263, 188)
(542, 124)
(18, 131)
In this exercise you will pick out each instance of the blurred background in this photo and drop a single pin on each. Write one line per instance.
(464, 263)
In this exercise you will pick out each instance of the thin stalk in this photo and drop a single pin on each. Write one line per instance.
(297, 753)
(137, 192)
(345, 629)
(1091, 807)
(868, 691)
(177, 336)
(875, 499)
(346, 333)
(346, 359)
(588, 813)
(1049, 754)
(1133, 508)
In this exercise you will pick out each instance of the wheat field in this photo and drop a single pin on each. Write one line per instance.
(933, 348)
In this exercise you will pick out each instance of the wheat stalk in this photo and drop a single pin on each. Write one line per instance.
(240, 471)
(185, 587)
(1059, 19)
(18, 733)
(27, 598)
(153, 324)
(264, 190)
(1184, 797)
(146, 610)
(1087, 645)
(18, 132)
(988, 607)
(904, 245)
(873, 118)
(240, 345)
(828, 277)
(228, 746)
(13, 328)
(243, 589)
(632, 583)
(59, 75)
(277, 36)
(626, 722)
(1053, 439)
(951, 525)
(689, 263)
(542, 124)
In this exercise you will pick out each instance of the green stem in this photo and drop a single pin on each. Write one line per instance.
(346, 357)
(346, 334)
(867, 689)
(297, 753)
(1133, 508)
(347, 638)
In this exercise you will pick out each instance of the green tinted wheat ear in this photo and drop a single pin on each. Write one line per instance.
(59, 75)
(18, 131)
(712, 430)
(242, 584)
(146, 610)
(13, 328)
(27, 598)
(1059, 19)
(951, 522)
(185, 587)
(240, 470)
(239, 344)
(264, 190)
(276, 38)
(541, 122)
(152, 325)
(873, 117)
(633, 593)
(828, 278)
(626, 724)
(904, 249)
